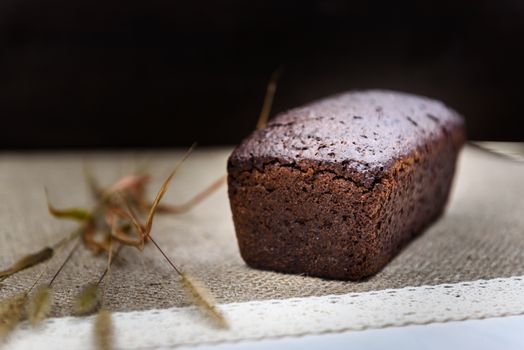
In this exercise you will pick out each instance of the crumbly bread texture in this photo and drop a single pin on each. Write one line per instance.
(336, 188)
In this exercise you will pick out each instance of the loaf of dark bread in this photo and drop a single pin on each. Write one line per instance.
(336, 188)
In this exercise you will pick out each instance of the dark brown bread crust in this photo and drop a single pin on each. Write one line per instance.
(336, 188)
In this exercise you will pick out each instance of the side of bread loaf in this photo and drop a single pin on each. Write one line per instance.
(336, 188)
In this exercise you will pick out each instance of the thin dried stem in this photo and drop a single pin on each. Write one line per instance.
(109, 258)
(44, 270)
(162, 191)
(165, 256)
(137, 243)
(110, 262)
(268, 99)
(185, 207)
(66, 260)
(92, 182)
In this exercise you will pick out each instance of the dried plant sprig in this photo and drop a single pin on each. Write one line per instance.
(119, 204)
(87, 300)
(103, 330)
(143, 230)
(132, 189)
(203, 298)
(11, 312)
(268, 99)
(28, 261)
(39, 305)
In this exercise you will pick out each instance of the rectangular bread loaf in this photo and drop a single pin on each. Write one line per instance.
(336, 188)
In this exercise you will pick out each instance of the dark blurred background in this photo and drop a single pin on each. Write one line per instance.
(162, 73)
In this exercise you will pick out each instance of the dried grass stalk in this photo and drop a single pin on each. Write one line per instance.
(185, 207)
(79, 214)
(27, 262)
(103, 329)
(40, 305)
(11, 312)
(162, 192)
(88, 300)
(268, 99)
(92, 182)
(203, 299)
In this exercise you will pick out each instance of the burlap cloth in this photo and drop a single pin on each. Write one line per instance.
(480, 236)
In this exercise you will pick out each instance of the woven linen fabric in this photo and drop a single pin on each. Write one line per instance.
(480, 236)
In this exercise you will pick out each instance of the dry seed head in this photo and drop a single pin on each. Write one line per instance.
(28, 261)
(40, 305)
(103, 330)
(87, 301)
(11, 312)
(203, 299)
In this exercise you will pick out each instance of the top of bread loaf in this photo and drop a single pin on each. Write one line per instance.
(355, 134)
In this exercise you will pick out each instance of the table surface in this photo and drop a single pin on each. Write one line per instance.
(258, 294)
